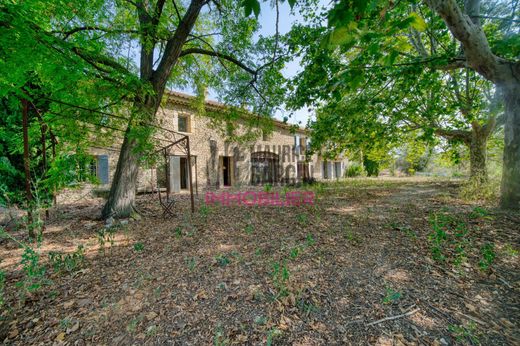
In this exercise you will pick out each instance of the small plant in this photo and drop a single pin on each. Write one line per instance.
(349, 235)
(461, 332)
(354, 170)
(268, 187)
(132, 326)
(204, 211)
(223, 260)
(219, 339)
(138, 246)
(510, 251)
(295, 251)
(67, 262)
(249, 229)
(302, 219)
(391, 296)
(449, 238)
(106, 236)
(191, 263)
(178, 231)
(261, 320)
(34, 271)
(310, 240)
(272, 334)
(405, 229)
(479, 212)
(488, 256)
(280, 277)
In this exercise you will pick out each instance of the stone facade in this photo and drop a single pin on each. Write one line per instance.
(275, 158)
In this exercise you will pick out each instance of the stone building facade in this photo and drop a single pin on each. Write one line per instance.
(275, 157)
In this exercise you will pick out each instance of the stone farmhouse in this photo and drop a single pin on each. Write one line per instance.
(274, 157)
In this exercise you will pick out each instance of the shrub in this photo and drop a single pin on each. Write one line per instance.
(67, 262)
(474, 190)
(354, 170)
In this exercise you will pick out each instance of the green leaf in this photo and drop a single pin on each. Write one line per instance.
(418, 22)
(251, 6)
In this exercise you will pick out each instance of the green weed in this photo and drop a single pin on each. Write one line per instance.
(488, 256)
(391, 296)
(461, 332)
(67, 262)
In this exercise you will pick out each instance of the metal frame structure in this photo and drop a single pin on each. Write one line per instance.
(168, 204)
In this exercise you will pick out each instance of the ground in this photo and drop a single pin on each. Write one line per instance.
(302, 275)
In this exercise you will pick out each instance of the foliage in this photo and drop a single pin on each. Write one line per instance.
(449, 238)
(354, 169)
(377, 79)
(280, 277)
(473, 190)
(371, 167)
(462, 332)
(138, 246)
(249, 229)
(391, 296)
(106, 236)
(34, 271)
(488, 256)
(67, 262)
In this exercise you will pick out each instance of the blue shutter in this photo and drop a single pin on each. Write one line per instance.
(102, 171)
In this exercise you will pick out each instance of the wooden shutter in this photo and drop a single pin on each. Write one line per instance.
(175, 174)
(102, 169)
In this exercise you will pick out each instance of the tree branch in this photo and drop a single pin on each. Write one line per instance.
(72, 31)
(218, 55)
(476, 47)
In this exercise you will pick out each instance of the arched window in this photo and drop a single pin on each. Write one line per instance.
(264, 167)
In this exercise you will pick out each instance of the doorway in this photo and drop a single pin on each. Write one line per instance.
(184, 173)
(226, 170)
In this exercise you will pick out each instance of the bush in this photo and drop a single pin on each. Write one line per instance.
(354, 170)
(474, 190)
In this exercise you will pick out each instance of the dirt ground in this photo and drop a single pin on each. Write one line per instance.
(327, 274)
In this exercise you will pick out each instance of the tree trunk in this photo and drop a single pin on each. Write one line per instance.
(478, 154)
(121, 199)
(510, 194)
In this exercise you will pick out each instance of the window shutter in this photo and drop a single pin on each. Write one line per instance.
(102, 169)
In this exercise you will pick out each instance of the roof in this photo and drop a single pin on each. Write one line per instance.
(178, 97)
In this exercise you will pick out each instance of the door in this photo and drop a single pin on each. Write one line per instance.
(226, 170)
(184, 173)
(175, 173)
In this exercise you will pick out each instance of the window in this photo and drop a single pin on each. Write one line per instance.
(325, 173)
(183, 124)
(99, 168)
(297, 144)
(302, 143)
(337, 170)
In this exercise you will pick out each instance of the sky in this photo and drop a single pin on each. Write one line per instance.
(267, 20)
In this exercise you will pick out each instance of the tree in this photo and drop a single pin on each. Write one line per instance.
(175, 46)
(466, 28)
(367, 41)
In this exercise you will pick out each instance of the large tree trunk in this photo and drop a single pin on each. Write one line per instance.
(504, 73)
(121, 199)
(510, 194)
